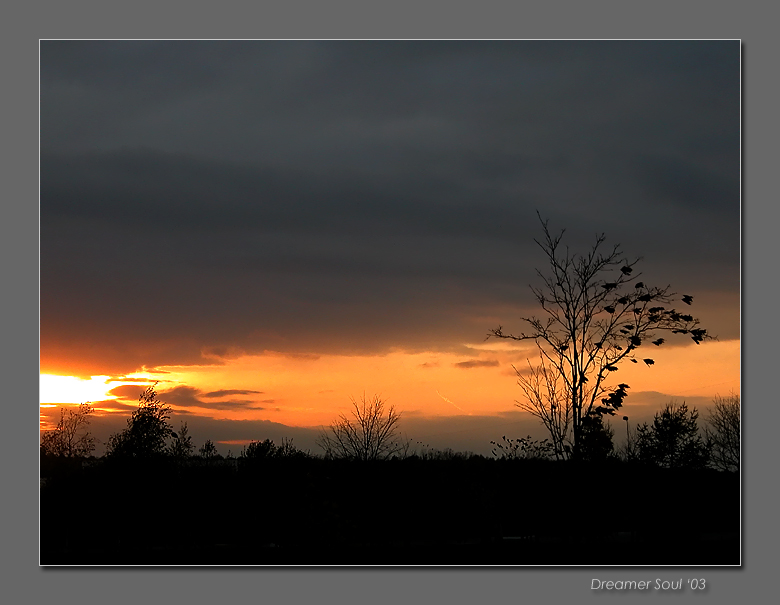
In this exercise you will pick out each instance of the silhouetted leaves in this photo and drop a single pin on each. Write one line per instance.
(615, 399)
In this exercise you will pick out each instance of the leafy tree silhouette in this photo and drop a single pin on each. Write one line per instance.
(673, 440)
(209, 451)
(596, 316)
(70, 439)
(147, 430)
(266, 449)
(596, 439)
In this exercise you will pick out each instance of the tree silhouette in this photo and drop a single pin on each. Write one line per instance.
(70, 439)
(723, 433)
(209, 451)
(259, 450)
(547, 399)
(596, 439)
(147, 430)
(673, 440)
(182, 445)
(596, 316)
(267, 449)
(370, 434)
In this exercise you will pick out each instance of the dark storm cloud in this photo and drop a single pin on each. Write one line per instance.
(214, 198)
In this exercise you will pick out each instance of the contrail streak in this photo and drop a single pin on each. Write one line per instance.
(448, 401)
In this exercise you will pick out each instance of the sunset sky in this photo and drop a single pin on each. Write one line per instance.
(270, 228)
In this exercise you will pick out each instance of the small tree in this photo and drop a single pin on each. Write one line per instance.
(267, 449)
(723, 433)
(596, 315)
(209, 451)
(596, 442)
(182, 445)
(673, 440)
(70, 439)
(260, 450)
(370, 434)
(147, 430)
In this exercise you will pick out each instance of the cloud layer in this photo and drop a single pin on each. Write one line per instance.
(201, 200)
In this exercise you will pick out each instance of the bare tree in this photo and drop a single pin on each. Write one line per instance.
(369, 434)
(547, 400)
(597, 314)
(723, 432)
(70, 438)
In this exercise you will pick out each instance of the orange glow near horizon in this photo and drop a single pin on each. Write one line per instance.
(312, 391)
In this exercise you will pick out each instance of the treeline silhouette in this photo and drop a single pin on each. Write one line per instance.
(275, 504)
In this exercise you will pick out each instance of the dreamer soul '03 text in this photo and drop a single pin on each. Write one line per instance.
(656, 584)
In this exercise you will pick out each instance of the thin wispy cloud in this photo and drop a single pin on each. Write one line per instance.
(477, 363)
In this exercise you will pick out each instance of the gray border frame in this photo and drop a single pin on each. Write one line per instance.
(27, 23)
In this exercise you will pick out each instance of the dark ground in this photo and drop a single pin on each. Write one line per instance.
(456, 511)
